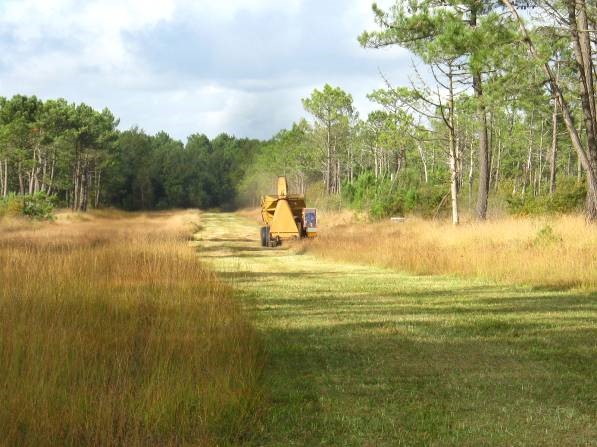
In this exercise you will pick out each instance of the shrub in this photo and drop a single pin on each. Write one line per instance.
(373, 195)
(381, 197)
(39, 206)
(546, 236)
(34, 206)
(427, 200)
(568, 198)
(11, 206)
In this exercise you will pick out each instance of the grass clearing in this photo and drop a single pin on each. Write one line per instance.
(366, 356)
(113, 333)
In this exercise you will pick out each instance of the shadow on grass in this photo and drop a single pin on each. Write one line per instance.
(369, 357)
(424, 383)
(424, 367)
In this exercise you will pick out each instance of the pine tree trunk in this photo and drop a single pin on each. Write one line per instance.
(98, 179)
(471, 170)
(591, 207)
(86, 191)
(21, 180)
(51, 182)
(554, 148)
(452, 149)
(44, 174)
(526, 178)
(458, 148)
(328, 179)
(490, 151)
(376, 162)
(483, 187)
(349, 164)
(76, 186)
(424, 162)
(579, 31)
(338, 177)
(5, 187)
(32, 172)
(2, 177)
(496, 182)
(454, 184)
(539, 173)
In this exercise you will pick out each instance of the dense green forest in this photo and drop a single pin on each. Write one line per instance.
(76, 154)
(500, 113)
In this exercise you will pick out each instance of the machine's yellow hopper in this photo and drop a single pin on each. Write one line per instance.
(286, 217)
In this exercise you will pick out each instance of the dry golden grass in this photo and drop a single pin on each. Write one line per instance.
(558, 252)
(112, 333)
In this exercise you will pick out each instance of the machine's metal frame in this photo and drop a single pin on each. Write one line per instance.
(284, 216)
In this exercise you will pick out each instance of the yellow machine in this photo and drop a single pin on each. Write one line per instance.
(286, 217)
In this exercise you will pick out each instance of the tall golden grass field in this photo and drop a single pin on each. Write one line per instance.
(113, 333)
(553, 251)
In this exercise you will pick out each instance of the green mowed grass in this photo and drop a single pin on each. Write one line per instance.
(366, 356)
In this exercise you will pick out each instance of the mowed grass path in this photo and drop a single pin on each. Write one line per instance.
(363, 356)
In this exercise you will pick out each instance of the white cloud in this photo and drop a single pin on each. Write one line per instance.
(238, 66)
(227, 9)
(90, 32)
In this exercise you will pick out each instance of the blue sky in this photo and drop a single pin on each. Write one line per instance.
(186, 66)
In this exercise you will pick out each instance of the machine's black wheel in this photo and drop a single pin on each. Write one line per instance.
(264, 236)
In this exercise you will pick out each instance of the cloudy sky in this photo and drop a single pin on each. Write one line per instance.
(185, 66)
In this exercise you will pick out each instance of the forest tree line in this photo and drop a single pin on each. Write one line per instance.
(500, 111)
(78, 155)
